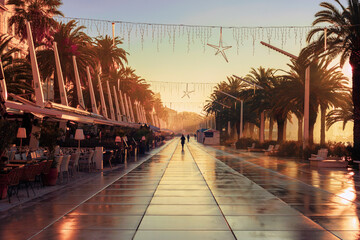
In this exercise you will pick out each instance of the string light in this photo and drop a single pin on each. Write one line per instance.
(193, 33)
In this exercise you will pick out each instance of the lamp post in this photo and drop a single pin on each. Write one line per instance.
(241, 111)
(21, 133)
(222, 104)
(262, 124)
(79, 135)
(306, 95)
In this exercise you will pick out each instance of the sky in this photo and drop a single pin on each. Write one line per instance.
(188, 64)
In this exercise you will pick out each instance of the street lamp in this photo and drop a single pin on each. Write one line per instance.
(251, 83)
(262, 125)
(307, 92)
(241, 111)
(222, 104)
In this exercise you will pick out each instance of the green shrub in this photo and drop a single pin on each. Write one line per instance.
(266, 144)
(290, 149)
(339, 149)
(244, 143)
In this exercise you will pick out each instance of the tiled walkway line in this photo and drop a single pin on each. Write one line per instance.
(183, 206)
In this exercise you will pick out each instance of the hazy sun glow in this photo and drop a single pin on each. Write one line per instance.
(347, 70)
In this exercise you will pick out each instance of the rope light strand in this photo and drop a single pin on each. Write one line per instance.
(195, 34)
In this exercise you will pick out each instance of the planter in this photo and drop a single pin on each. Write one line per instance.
(51, 177)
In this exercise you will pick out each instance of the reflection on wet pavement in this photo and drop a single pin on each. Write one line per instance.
(199, 193)
(326, 196)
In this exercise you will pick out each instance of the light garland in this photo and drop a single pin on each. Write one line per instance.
(175, 92)
(193, 34)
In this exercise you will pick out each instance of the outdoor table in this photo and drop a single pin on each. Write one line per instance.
(14, 165)
(42, 158)
(22, 161)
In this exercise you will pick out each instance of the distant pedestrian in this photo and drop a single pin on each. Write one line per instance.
(188, 137)
(182, 141)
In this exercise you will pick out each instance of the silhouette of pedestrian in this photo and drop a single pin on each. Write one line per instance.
(182, 141)
(188, 137)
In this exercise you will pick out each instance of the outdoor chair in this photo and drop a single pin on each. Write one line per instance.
(74, 163)
(107, 157)
(58, 160)
(5, 183)
(11, 155)
(321, 155)
(39, 171)
(28, 177)
(86, 161)
(46, 170)
(273, 150)
(276, 148)
(322, 160)
(64, 167)
(57, 150)
(251, 147)
(270, 148)
(13, 181)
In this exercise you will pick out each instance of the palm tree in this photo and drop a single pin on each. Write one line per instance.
(17, 75)
(285, 98)
(39, 13)
(217, 101)
(343, 114)
(72, 41)
(326, 89)
(281, 108)
(333, 85)
(262, 100)
(110, 56)
(133, 85)
(343, 38)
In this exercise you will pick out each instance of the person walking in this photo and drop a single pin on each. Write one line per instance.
(188, 137)
(182, 141)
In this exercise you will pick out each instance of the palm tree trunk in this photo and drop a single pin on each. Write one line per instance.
(262, 127)
(312, 121)
(271, 128)
(300, 129)
(251, 129)
(237, 127)
(280, 124)
(284, 130)
(322, 127)
(354, 62)
(246, 133)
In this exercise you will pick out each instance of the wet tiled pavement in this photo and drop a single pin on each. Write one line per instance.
(198, 193)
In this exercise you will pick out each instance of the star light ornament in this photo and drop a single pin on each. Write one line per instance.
(187, 92)
(220, 49)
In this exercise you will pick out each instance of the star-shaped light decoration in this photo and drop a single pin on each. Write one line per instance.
(220, 49)
(187, 92)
